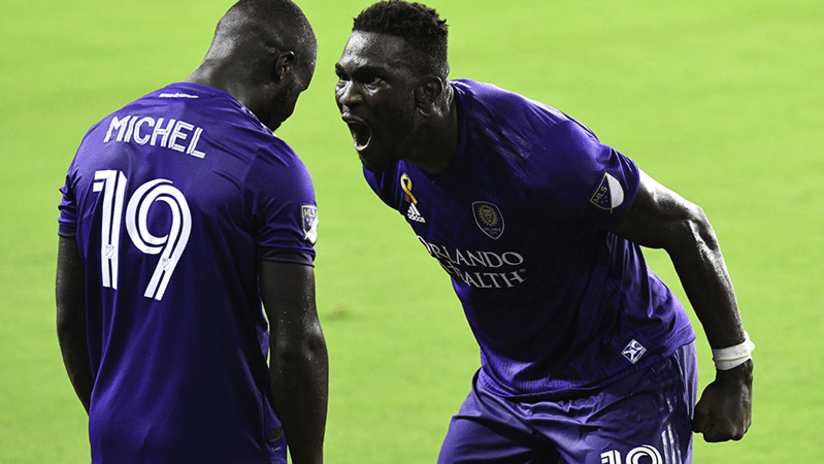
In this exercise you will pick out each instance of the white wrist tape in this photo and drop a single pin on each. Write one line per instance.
(733, 356)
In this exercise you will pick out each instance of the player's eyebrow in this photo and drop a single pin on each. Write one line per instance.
(360, 70)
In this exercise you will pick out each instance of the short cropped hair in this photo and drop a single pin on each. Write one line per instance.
(277, 23)
(419, 25)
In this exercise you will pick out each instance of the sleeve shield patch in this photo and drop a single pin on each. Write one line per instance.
(609, 194)
(310, 223)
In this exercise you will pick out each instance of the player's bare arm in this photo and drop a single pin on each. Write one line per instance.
(660, 218)
(299, 363)
(71, 319)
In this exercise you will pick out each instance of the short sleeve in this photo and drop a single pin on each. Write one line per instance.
(67, 222)
(284, 208)
(583, 176)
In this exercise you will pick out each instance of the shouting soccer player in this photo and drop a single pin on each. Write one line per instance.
(181, 212)
(586, 356)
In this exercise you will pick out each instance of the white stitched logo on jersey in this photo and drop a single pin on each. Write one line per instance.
(634, 351)
(609, 194)
(413, 214)
(488, 218)
(310, 223)
(177, 95)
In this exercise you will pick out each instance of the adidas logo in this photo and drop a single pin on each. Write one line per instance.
(414, 215)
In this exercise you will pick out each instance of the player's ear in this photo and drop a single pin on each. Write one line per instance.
(284, 64)
(427, 93)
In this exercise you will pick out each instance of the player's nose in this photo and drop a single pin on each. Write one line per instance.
(346, 94)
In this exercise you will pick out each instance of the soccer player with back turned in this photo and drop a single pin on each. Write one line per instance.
(586, 355)
(181, 213)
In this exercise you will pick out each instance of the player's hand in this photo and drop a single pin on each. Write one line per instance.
(725, 409)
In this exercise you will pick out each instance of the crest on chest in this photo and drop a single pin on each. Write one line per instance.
(489, 219)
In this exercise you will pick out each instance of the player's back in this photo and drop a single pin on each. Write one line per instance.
(170, 207)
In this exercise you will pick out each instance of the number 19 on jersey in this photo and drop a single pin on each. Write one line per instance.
(112, 185)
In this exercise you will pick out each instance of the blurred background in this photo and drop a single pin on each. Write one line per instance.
(722, 101)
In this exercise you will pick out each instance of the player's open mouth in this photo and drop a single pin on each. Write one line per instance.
(361, 133)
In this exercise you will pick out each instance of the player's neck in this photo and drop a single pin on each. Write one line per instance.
(439, 139)
(221, 76)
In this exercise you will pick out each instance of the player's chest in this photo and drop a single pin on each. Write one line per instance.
(474, 212)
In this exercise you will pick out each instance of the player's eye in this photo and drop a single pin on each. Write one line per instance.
(370, 79)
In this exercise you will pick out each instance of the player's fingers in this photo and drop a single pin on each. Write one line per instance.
(701, 419)
(713, 438)
(738, 432)
(715, 431)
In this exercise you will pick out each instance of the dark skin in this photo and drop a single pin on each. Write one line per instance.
(374, 74)
(71, 319)
(299, 363)
(268, 81)
(660, 218)
(412, 117)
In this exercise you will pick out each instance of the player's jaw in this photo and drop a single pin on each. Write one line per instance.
(372, 141)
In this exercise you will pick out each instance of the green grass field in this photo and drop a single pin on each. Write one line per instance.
(723, 101)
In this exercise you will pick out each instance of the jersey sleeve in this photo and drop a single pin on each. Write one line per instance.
(69, 207)
(284, 208)
(67, 222)
(588, 179)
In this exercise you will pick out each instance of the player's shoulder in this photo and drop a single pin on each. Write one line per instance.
(537, 126)
(484, 95)
(507, 123)
(508, 105)
(275, 153)
(234, 125)
(181, 103)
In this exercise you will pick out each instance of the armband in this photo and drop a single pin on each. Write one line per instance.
(733, 356)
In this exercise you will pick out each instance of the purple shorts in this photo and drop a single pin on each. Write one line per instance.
(643, 418)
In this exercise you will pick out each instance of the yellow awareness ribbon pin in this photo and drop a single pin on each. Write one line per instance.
(406, 185)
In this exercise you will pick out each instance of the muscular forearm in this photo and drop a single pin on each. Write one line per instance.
(700, 266)
(300, 383)
(74, 347)
(299, 364)
(71, 319)
(660, 218)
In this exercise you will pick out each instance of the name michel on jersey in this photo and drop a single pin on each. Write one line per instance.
(479, 269)
(177, 135)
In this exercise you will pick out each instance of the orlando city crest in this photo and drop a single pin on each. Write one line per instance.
(488, 218)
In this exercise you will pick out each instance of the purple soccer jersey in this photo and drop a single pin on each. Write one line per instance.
(173, 199)
(556, 303)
